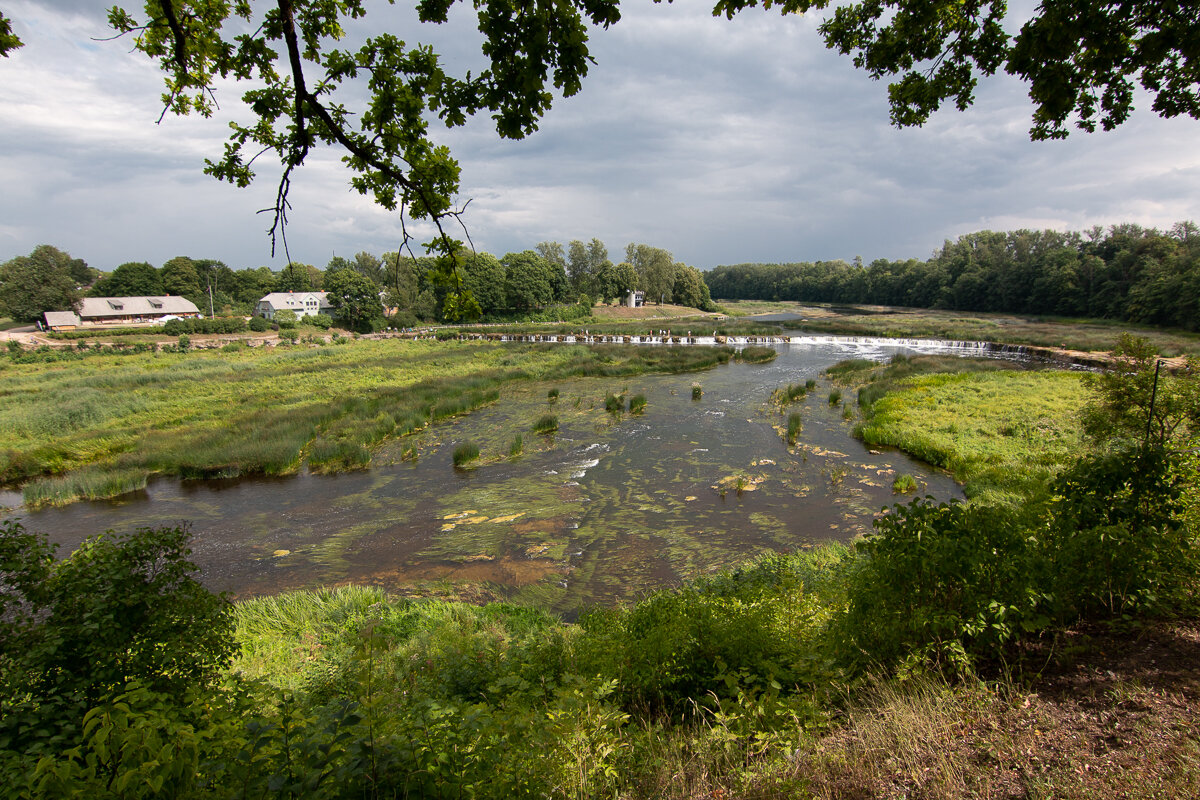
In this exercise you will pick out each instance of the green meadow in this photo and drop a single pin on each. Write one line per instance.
(1002, 431)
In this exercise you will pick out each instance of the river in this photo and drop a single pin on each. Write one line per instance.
(606, 508)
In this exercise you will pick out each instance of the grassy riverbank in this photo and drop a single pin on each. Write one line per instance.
(999, 429)
(100, 425)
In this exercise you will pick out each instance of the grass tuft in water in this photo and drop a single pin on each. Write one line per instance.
(793, 427)
(637, 404)
(547, 423)
(465, 453)
(697, 391)
(517, 447)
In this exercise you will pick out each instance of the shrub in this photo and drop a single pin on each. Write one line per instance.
(1118, 540)
(258, 324)
(118, 609)
(404, 319)
(185, 341)
(942, 585)
(322, 321)
(547, 423)
(290, 336)
(465, 453)
(286, 319)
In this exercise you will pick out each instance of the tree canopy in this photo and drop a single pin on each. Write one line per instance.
(45, 280)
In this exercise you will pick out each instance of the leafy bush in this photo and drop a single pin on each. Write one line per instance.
(258, 324)
(118, 609)
(286, 319)
(942, 584)
(1119, 539)
(322, 321)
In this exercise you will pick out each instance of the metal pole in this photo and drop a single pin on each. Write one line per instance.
(1153, 395)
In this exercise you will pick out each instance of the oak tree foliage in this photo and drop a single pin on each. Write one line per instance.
(1080, 58)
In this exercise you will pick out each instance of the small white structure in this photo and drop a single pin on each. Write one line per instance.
(95, 311)
(636, 299)
(304, 304)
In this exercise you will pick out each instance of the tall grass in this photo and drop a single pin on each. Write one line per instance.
(465, 453)
(547, 423)
(86, 484)
(794, 426)
(212, 414)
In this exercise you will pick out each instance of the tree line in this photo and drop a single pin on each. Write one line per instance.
(410, 289)
(1126, 272)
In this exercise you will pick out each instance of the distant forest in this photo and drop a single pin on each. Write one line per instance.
(1125, 273)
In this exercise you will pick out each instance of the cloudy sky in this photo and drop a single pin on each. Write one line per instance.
(720, 141)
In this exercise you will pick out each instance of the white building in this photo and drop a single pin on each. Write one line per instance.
(304, 304)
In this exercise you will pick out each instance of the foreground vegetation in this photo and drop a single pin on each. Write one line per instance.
(99, 426)
(877, 670)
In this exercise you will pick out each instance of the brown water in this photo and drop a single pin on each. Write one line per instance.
(606, 508)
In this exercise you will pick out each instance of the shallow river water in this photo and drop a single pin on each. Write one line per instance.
(606, 508)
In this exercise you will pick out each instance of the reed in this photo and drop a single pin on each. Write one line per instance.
(794, 426)
(90, 483)
(465, 453)
(547, 423)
